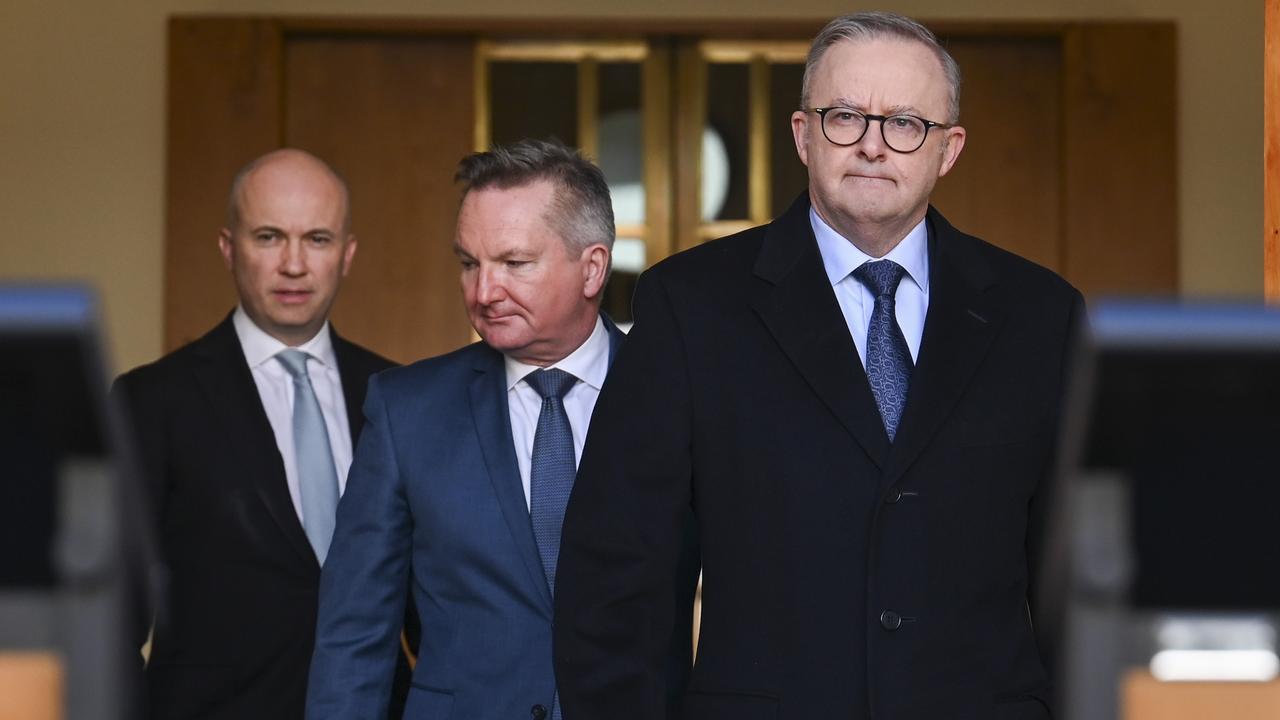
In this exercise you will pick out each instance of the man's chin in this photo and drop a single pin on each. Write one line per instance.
(499, 336)
(291, 330)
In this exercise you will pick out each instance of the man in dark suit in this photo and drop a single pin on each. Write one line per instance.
(245, 437)
(858, 402)
(467, 459)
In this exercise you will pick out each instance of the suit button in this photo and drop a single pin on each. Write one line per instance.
(537, 712)
(890, 620)
(893, 497)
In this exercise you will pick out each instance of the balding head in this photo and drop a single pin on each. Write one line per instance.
(286, 163)
(287, 242)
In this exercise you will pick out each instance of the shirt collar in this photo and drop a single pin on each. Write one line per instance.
(841, 257)
(259, 347)
(589, 363)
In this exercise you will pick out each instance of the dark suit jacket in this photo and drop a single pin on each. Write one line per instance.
(844, 576)
(234, 638)
(435, 488)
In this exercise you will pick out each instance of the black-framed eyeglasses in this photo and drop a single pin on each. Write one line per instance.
(902, 133)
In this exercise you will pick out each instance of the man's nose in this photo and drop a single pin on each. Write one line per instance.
(293, 259)
(489, 288)
(872, 145)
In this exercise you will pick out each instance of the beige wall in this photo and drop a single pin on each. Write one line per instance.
(82, 128)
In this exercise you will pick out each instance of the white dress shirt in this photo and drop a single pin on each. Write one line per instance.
(275, 388)
(841, 257)
(589, 363)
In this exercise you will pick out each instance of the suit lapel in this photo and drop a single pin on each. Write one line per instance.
(794, 299)
(960, 324)
(228, 384)
(616, 336)
(355, 380)
(493, 428)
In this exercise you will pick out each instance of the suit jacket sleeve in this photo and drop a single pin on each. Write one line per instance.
(364, 582)
(622, 585)
(140, 409)
(141, 406)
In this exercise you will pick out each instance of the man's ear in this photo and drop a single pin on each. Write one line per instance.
(226, 248)
(800, 132)
(951, 148)
(595, 269)
(348, 254)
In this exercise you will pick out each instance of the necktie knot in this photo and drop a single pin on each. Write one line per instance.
(551, 383)
(295, 362)
(880, 276)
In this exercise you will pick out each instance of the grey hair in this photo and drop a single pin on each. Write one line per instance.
(873, 25)
(237, 184)
(582, 212)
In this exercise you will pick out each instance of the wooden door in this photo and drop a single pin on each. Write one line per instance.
(393, 115)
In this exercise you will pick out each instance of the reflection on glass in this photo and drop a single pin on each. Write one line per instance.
(622, 160)
(629, 255)
(621, 140)
(533, 100)
(715, 174)
(728, 111)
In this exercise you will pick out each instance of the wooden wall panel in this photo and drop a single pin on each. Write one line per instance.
(1005, 186)
(394, 115)
(1119, 144)
(224, 110)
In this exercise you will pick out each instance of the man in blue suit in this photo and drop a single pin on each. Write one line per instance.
(463, 471)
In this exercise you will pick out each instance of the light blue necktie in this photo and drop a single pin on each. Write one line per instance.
(888, 358)
(317, 477)
(551, 472)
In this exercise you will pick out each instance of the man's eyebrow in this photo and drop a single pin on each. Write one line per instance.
(890, 111)
(513, 253)
(267, 228)
(845, 102)
(903, 110)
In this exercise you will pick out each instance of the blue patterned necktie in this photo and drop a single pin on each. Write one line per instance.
(552, 467)
(317, 477)
(551, 474)
(888, 358)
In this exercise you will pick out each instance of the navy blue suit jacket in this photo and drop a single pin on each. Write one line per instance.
(435, 493)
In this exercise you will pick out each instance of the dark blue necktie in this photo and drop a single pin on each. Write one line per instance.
(551, 472)
(552, 466)
(888, 358)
